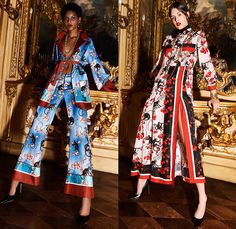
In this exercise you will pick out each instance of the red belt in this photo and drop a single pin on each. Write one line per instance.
(60, 67)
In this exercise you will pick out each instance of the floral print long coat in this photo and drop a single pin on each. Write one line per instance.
(159, 154)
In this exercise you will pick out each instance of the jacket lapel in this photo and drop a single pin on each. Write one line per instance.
(61, 38)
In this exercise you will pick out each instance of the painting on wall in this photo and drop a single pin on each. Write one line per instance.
(100, 21)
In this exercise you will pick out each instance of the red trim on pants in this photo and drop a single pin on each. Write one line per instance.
(26, 178)
(79, 190)
(165, 182)
(194, 181)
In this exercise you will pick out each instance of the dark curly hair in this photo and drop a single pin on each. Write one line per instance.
(179, 6)
(71, 6)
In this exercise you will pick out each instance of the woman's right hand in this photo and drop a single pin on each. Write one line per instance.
(214, 103)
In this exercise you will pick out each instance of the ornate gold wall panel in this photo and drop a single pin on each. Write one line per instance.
(6, 41)
(128, 34)
(217, 132)
(158, 40)
(104, 128)
(20, 31)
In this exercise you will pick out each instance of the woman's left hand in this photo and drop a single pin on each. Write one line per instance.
(214, 104)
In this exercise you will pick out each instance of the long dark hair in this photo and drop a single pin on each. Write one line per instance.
(179, 6)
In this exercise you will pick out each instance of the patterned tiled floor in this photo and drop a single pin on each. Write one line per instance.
(170, 207)
(46, 207)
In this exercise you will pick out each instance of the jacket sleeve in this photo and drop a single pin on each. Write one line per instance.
(99, 75)
(205, 62)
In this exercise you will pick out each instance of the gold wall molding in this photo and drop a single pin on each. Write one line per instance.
(132, 47)
(219, 168)
(14, 58)
(158, 28)
(130, 39)
(125, 20)
(30, 10)
(11, 92)
(23, 36)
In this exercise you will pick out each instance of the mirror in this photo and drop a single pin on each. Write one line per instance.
(100, 21)
(148, 16)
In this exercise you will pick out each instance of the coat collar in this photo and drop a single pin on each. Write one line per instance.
(61, 38)
(183, 31)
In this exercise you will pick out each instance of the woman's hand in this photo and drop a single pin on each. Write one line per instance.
(214, 103)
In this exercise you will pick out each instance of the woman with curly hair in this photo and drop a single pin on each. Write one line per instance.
(72, 51)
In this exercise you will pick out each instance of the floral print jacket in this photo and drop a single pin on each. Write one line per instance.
(185, 50)
(84, 53)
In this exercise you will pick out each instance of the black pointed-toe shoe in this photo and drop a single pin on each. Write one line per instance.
(136, 196)
(9, 199)
(197, 222)
(81, 220)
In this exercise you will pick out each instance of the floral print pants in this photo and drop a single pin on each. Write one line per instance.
(79, 180)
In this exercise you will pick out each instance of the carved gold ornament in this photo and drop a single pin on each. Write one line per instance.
(125, 20)
(217, 132)
(221, 85)
(113, 71)
(103, 122)
(11, 90)
(12, 12)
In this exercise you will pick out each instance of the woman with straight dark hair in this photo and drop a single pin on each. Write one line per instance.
(73, 50)
(166, 144)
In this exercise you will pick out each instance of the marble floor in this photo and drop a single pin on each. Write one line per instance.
(170, 207)
(47, 207)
